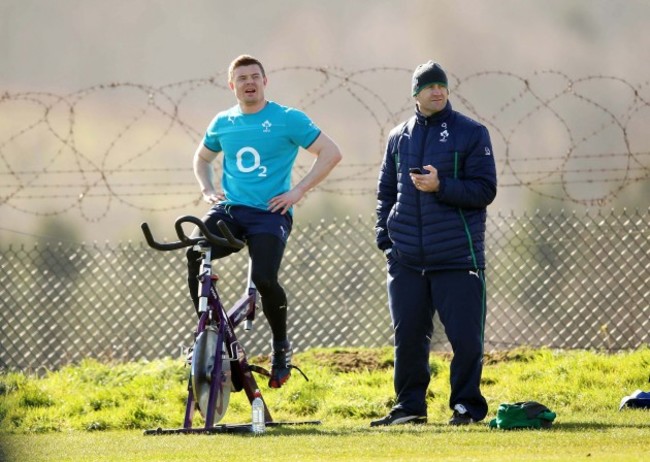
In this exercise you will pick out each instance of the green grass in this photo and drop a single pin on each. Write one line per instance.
(94, 411)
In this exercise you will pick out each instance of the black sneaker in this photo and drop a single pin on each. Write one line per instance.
(460, 416)
(399, 417)
(280, 364)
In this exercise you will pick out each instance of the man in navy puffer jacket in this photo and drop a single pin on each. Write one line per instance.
(431, 226)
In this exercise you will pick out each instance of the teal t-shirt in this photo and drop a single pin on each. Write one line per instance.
(259, 151)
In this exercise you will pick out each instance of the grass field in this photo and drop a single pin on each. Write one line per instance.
(97, 412)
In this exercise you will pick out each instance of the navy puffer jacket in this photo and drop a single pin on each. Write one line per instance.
(446, 229)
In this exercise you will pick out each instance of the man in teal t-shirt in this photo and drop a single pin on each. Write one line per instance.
(259, 151)
(259, 141)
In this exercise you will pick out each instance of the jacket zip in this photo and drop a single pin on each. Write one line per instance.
(417, 198)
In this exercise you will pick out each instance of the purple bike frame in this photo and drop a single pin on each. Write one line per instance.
(242, 310)
(212, 309)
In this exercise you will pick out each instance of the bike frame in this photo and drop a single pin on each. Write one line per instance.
(213, 313)
(243, 310)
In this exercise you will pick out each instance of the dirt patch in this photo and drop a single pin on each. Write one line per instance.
(351, 361)
(518, 354)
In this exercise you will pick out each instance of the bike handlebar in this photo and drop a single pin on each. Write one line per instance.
(185, 241)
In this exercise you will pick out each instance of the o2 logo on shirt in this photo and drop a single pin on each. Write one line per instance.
(248, 160)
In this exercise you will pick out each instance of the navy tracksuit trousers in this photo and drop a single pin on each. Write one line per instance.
(459, 298)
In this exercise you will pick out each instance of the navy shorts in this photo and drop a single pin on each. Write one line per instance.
(246, 221)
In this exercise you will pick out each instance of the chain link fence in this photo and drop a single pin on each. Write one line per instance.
(558, 280)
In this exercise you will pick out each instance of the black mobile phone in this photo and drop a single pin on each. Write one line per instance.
(418, 171)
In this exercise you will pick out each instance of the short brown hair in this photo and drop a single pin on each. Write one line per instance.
(243, 60)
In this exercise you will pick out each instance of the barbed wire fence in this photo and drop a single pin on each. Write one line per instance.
(580, 141)
(559, 279)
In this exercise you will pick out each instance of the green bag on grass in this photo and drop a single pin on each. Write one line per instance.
(526, 414)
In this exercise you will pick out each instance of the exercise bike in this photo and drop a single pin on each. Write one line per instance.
(218, 362)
